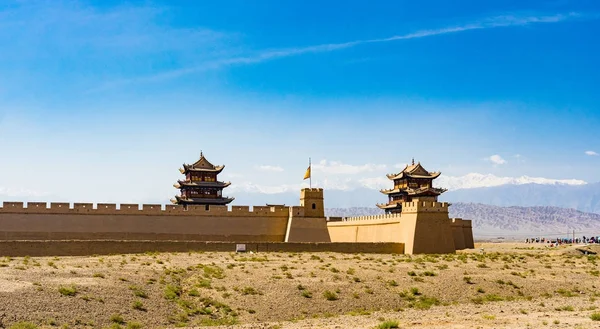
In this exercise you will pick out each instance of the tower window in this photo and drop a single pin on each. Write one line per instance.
(314, 206)
(206, 207)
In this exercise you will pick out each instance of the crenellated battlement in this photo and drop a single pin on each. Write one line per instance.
(459, 222)
(311, 193)
(373, 217)
(313, 189)
(424, 206)
(146, 209)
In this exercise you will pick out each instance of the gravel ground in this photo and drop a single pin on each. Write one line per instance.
(503, 286)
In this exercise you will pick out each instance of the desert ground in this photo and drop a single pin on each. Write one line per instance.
(505, 285)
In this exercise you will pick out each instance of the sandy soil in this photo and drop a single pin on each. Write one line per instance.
(505, 285)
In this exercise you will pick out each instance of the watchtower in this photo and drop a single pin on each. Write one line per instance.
(312, 201)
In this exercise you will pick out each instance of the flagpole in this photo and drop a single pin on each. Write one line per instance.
(310, 177)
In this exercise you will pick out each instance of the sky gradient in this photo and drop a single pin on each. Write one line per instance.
(103, 101)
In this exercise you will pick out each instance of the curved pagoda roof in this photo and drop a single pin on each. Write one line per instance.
(414, 171)
(201, 165)
(187, 183)
(389, 205)
(201, 201)
(416, 191)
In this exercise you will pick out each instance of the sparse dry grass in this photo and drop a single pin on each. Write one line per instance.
(320, 289)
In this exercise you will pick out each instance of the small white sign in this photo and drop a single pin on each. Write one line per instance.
(240, 247)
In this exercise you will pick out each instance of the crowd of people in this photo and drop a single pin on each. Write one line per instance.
(559, 241)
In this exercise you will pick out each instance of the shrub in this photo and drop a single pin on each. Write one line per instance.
(134, 325)
(117, 318)
(493, 298)
(595, 316)
(306, 294)
(412, 273)
(172, 291)
(23, 325)
(468, 279)
(249, 291)
(424, 303)
(138, 292)
(389, 324)
(99, 275)
(565, 293)
(137, 305)
(68, 291)
(330, 295)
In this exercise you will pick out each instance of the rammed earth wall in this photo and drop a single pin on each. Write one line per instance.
(107, 247)
(59, 221)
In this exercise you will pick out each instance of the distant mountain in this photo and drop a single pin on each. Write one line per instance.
(491, 220)
(475, 180)
(585, 198)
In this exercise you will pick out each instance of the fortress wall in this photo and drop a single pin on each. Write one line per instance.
(83, 221)
(458, 233)
(307, 229)
(427, 232)
(86, 248)
(380, 228)
(468, 234)
(463, 233)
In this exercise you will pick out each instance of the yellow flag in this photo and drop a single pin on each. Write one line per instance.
(307, 174)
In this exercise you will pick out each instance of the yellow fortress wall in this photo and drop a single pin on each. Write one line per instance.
(83, 221)
(422, 226)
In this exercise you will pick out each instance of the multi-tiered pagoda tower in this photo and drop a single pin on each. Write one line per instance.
(201, 186)
(412, 182)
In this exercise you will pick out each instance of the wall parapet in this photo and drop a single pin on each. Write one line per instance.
(144, 209)
(424, 206)
(372, 217)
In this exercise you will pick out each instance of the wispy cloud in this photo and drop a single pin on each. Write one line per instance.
(591, 153)
(486, 23)
(496, 159)
(269, 168)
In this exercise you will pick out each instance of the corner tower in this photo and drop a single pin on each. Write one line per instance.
(311, 199)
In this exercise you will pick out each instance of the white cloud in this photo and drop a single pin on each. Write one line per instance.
(334, 167)
(269, 168)
(496, 159)
(592, 153)
(400, 165)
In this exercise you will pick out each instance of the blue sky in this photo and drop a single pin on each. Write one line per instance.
(103, 101)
